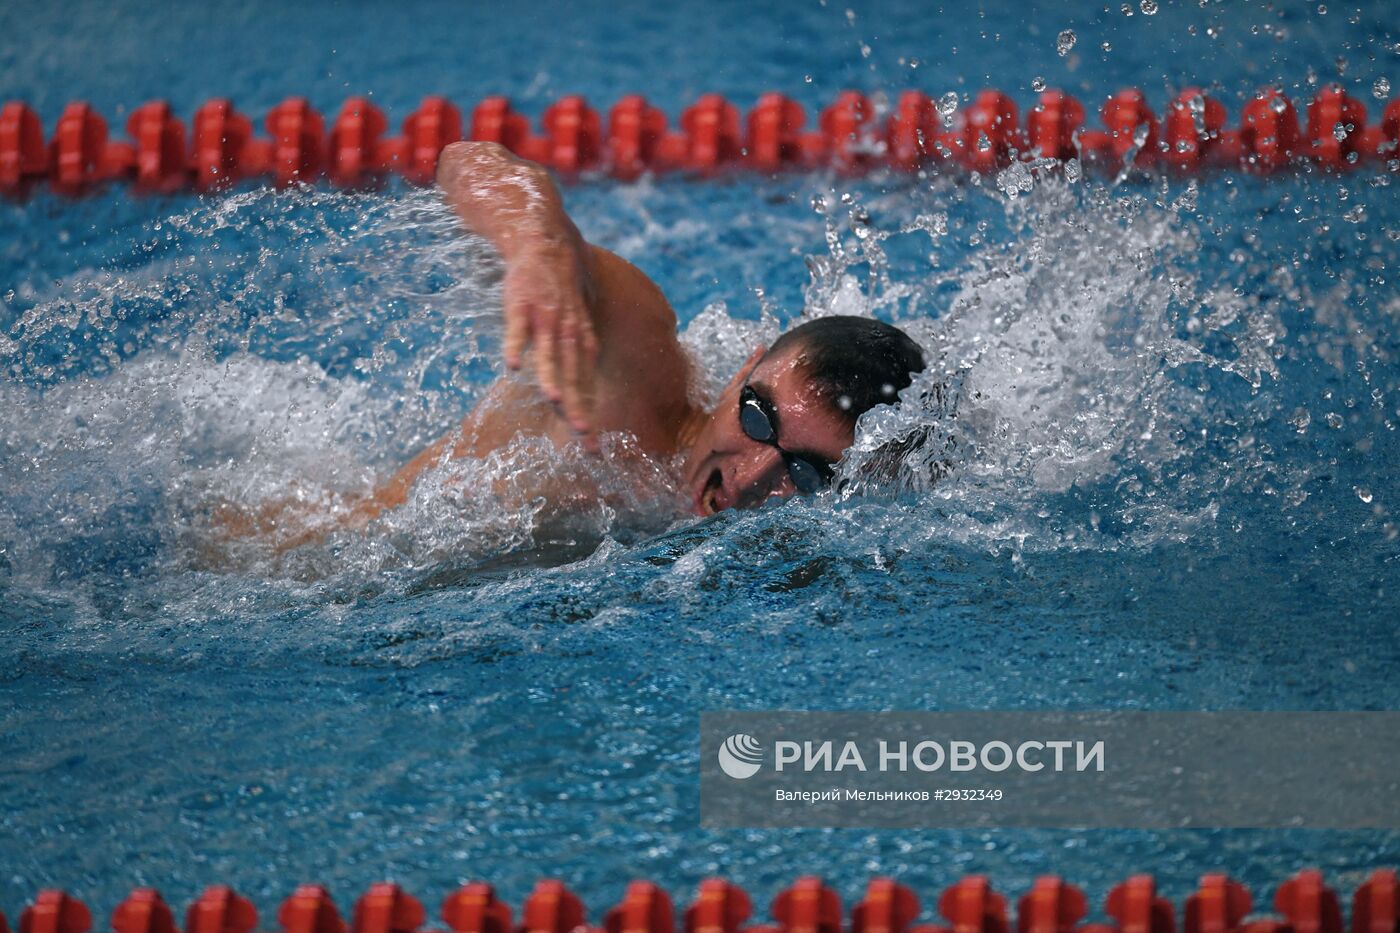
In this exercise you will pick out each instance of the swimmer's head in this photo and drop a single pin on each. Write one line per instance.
(790, 412)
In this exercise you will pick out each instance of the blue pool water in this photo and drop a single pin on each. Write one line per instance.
(1174, 444)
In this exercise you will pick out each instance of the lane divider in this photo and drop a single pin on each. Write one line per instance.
(1304, 904)
(852, 136)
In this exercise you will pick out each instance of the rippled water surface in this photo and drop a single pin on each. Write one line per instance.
(1165, 437)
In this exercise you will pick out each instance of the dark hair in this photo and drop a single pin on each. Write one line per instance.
(855, 363)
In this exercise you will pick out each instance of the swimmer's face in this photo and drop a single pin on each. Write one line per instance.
(727, 469)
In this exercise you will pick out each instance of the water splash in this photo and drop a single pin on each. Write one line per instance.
(1091, 385)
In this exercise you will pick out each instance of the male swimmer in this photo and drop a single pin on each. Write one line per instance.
(606, 359)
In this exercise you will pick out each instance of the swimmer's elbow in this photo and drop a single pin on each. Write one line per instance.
(480, 160)
(460, 157)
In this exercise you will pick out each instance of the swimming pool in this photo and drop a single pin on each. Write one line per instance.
(1176, 430)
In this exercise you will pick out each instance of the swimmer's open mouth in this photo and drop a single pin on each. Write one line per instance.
(708, 501)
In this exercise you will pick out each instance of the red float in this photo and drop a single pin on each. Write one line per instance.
(710, 134)
(1376, 906)
(1138, 909)
(1131, 128)
(310, 910)
(1053, 125)
(1191, 131)
(571, 135)
(843, 142)
(775, 133)
(1268, 131)
(298, 142)
(22, 155)
(474, 908)
(356, 152)
(1336, 122)
(220, 146)
(645, 908)
(912, 129)
(494, 121)
(387, 908)
(426, 132)
(220, 910)
(1388, 144)
(55, 912)
(1217, 906)
(1051, 907)
(720, 907)
(809, 906)
(162, 165)
(888, 907)
(635, 128)
(551, 908)
(79, 144)
(1308, 904)
(989, 138)
(971, 906)
(143, 912)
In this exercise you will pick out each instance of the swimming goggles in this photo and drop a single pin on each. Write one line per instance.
(756, 417)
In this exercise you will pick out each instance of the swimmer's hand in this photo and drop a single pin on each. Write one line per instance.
(546, 305)
(548, 293)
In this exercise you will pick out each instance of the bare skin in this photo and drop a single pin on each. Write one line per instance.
(599, 339)
(605, 353)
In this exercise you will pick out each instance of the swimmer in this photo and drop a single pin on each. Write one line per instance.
(602, 347)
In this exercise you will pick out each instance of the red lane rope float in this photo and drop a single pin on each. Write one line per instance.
(1304, 904)
(850, 136)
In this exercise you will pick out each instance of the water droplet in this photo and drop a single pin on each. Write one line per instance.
(948, 104)
(1148, 7)
(1381, 88)
(1278, 104)
(1356, 215)
(860, 221)
(1065, 41)
(1037, 84)
(1340, 132)
(1106, 47)
(819, 203)
(1363, 494)
(1334, 420)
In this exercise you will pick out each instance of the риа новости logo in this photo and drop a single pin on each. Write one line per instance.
(740, 756)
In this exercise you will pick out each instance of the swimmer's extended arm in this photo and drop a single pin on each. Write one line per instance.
(548, 289)
(583, 308)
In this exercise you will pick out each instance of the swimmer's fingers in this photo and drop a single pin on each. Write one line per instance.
(530, 310)
(546, 360)
(576, 377)
(517, 314)
(588, 362)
